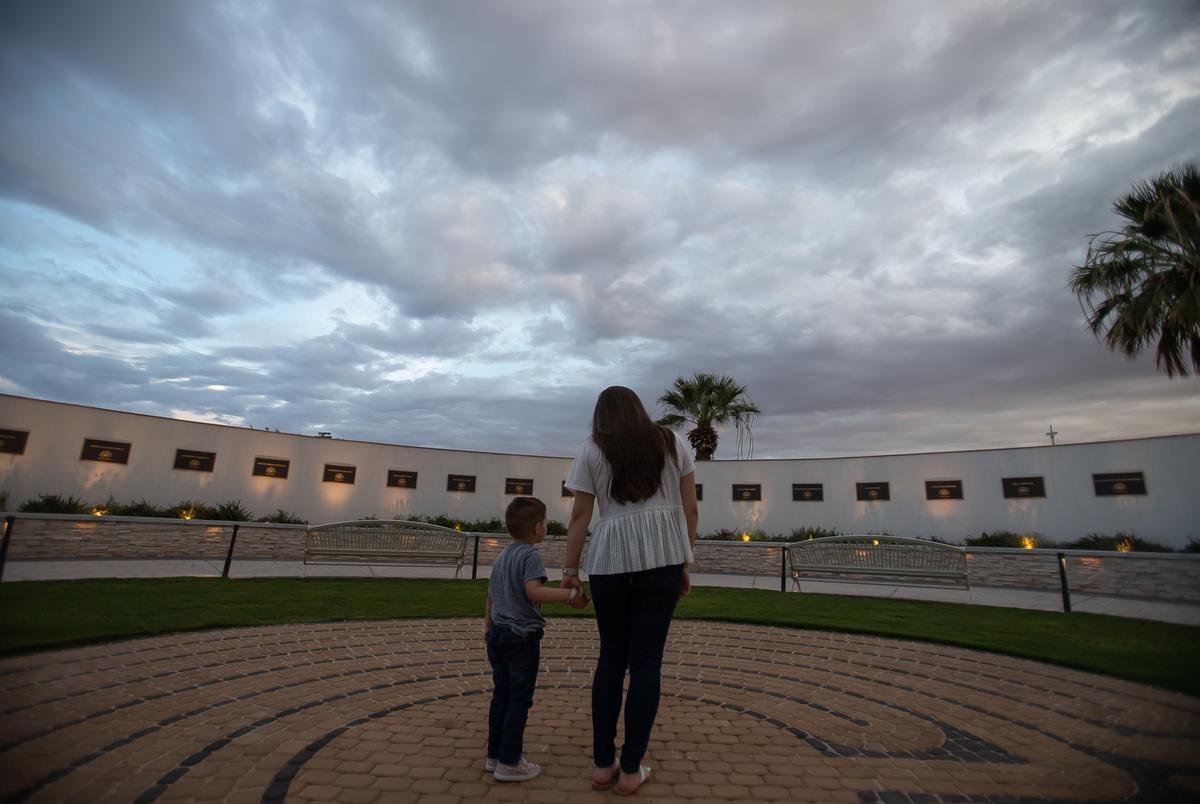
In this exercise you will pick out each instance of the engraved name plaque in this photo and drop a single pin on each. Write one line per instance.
(460, 483)
(337, 473)
(943, 490)
(747, 492)
(1016, 488)
(1119, 484)
(105, 451)
(566, 492)
(271, 467)
(13, 441)
(195, 461)
(402, 479)
(518, 485)
(808, 492)
(872, 492)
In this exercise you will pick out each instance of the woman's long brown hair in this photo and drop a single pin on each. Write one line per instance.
(635, 447)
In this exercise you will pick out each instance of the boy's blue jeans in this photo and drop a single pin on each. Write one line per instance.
(514, 659)
(633, 615)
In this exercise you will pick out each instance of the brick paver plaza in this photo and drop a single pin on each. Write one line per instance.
(396, 711)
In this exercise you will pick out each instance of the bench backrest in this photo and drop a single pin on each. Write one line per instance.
(868, 553)
(386, 534)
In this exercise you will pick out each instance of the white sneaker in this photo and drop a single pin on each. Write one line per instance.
(523, 771)
(489, 764)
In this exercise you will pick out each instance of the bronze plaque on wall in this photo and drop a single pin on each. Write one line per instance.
(1119, 484)
(337, 473)
(808, 492)
(464, 483)
(870, 492)
(1017, 487)
(194, 460)
(566, 492)
(943, 490)
(13, 441)
(401, 479)
(518, 485)
(271, 467)
(747, 492)
(105, 451)
(699, 492)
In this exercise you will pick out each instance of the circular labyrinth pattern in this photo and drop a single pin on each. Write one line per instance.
(396, 711)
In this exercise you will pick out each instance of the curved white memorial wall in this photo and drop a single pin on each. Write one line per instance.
(1149, 486)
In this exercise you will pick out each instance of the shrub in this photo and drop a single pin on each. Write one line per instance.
(282, 517)
(756, 535)
(1193, 546)
(233, 511)
(1121, 542)
(139, 508)
(54, 504)
(723, 535)
(556, 528)
(3, 500)
(493, 525)
(1004, 538)
(801, 534)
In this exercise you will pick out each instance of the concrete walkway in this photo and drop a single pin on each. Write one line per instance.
(396, 711)
(1164, 611)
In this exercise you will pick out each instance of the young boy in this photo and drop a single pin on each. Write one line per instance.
(513, 632)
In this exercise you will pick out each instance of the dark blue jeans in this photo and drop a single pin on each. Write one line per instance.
(514, 661)
(633, 616)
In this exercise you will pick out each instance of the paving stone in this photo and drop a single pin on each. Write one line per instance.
(396, 711)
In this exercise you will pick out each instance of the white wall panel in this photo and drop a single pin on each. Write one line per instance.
(1169, 513)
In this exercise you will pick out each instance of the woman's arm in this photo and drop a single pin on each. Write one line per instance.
(581, 517)
(691, 510)
(691, 513)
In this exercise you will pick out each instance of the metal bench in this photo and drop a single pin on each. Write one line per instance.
(906, 561)
(385, 541)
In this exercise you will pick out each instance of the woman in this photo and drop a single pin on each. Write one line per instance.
(643, 477)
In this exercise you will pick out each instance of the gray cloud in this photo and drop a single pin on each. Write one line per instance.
(417, 224)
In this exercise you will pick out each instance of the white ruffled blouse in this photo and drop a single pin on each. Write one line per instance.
(643, 535)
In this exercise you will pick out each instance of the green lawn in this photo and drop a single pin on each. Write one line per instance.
(49, 614)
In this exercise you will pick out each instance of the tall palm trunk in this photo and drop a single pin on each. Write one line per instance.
(704, 440)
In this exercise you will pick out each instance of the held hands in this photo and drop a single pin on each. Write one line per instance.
(581, 598)
(687, 583)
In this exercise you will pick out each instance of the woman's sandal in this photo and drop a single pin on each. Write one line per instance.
(644, 773)
(614, 773)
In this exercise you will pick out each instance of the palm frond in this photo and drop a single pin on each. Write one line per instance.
(1142, 283)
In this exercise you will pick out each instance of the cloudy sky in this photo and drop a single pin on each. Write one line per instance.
(452, 224)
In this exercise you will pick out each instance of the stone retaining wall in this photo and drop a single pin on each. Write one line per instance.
(69, 538)
(1166, 576)
(1137, 575)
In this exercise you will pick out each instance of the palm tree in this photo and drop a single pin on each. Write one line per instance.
(706, 401)
(1143, 282)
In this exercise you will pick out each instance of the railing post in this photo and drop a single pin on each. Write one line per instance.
(229, 555)
(1062, 576)
(8, 526)
(475, 558)
(783, 567)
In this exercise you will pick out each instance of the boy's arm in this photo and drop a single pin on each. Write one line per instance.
(537, 592)
(487, 612)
